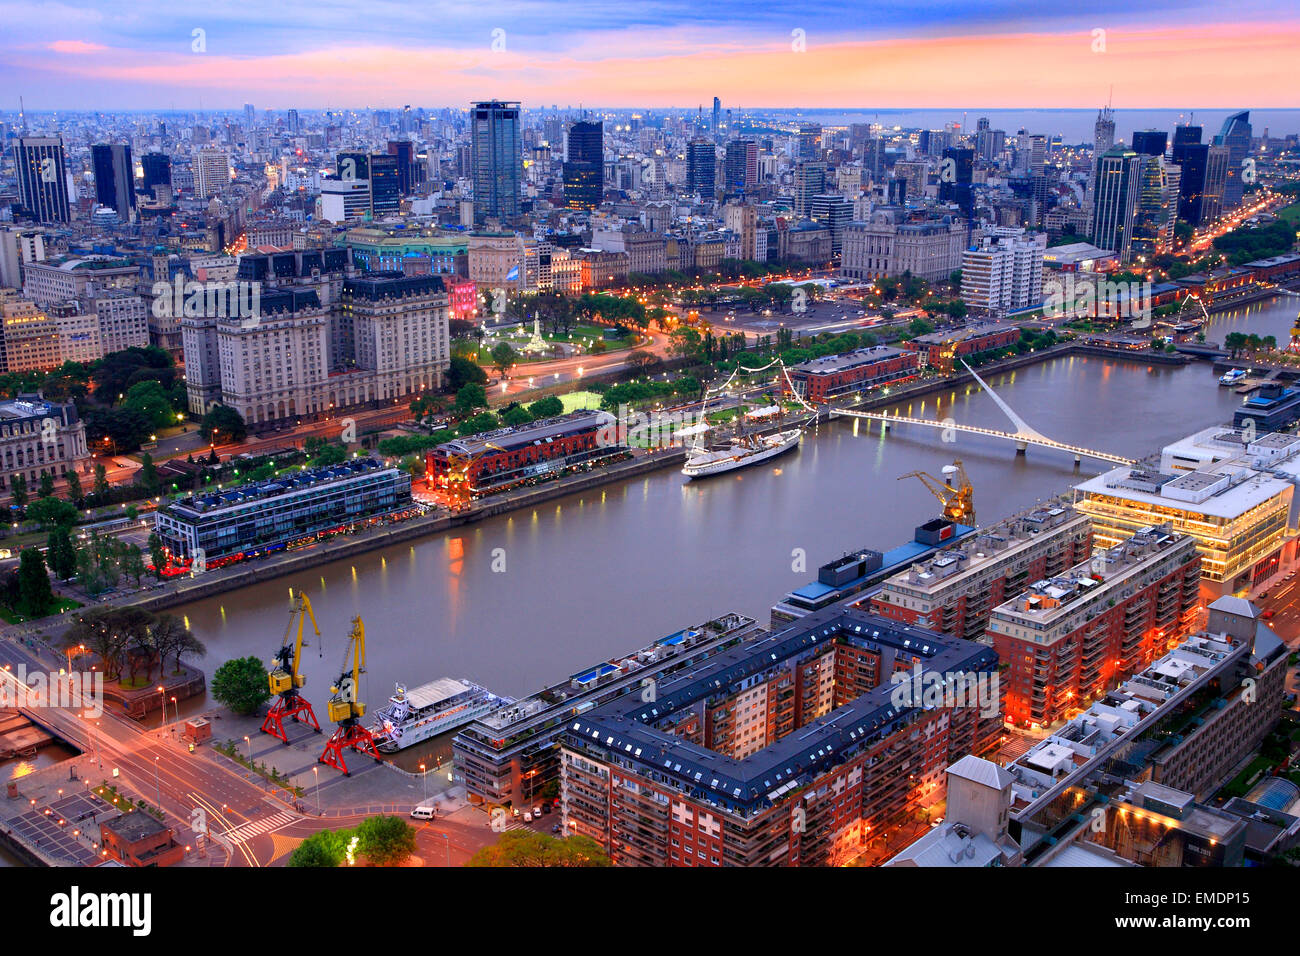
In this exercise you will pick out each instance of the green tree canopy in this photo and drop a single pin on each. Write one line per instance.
(225, 423)
(241, 683)
(526, 848)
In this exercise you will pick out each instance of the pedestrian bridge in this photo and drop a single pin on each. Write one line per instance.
(1023, 436)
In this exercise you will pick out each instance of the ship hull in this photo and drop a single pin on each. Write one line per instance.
(785, 441)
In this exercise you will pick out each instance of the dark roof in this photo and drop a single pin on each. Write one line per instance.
(622, 728)
(135, 826)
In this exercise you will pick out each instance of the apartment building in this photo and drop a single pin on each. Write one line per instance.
(841, 762)
(954, 592)
(1004, 271)
(1068, 639)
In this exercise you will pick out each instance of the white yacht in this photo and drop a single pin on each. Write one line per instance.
(428, 710)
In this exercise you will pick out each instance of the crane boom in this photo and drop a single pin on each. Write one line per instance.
(284, 679)
(958, 502)
(346, 707)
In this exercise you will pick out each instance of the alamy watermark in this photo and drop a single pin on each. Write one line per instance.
(79, 690)
(653, 430)
(974, 689)
(1066, 298)
(219, 300)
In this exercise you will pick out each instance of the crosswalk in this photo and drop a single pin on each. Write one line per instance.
(255, 828)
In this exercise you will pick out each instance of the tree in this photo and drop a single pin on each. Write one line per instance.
(324, 849)
(61, 553)
(385, 840)
(504, 356)
(34, 591)
(515, 415)
(462, 372)
(957, 309)
(526, 848)
(133, 563)
(641, 360)
(18, 489)
(52, 512)
(148, 476)
(241, 683)
(156, 554)
(547, 407)
(150, 400)
(223, 423)
(46, 489)
(920, 327)
(684, 342)
(75, 493)
(469, 398)
(100, 487)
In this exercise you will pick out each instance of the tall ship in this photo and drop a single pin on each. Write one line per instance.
(428, 710)
(745, 449)
(748, 445)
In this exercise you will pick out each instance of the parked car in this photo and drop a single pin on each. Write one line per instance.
(528, 816)
(1268, 614)
(555, 829)
(423, 813)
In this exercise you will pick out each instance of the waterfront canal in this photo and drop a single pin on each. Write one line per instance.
(595, 575)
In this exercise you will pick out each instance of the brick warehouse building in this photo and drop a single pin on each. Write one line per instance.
(823, 379)
(940, 348)
(784, 751)
(1067, 640)
(496, 460)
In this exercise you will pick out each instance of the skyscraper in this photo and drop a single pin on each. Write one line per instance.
(42, 177)
(293, 123)
(497, 160)
(211, 172)
(701, 167)
(810, 135)
(1103, 131)
(385, 190)
(1153, 226)
(1216, 180)
(740, 167)
(955, 177)
(584, 165)
(1191, 155)
(157, 171)
(1150, 142)
(250, 116)
(1116, 184)
(114, 178)
(1236, 136)
(405, 154)
(717, 118)
(809, 181)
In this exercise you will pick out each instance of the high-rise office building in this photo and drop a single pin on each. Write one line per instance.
(385, 188)
(701, 167)
(114, 178)
(1116, 187)
(717, 117)
(740, 167)
(250, 116)
(1153, 227)
(42, 177)
(1150, 142)
(955, 177)
(1191, 155)
(1217, 159)
(352, 164)
(810, 137)
(497, 160)
(1103, 132)
(294, 124)
(584, 165)
(405, 154)
(157, 169)
(1236, 136)
(809, 181)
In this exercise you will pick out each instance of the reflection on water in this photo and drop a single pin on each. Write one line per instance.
(518, 601)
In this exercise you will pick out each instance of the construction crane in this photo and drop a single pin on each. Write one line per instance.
(959, 501)
(456, 481)
(346, 709)
(284, 677)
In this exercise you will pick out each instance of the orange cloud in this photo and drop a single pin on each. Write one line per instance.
(1206, 66)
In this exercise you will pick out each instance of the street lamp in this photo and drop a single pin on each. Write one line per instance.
(425, 778)
(250, 749)
(316, 772)
(157, 784)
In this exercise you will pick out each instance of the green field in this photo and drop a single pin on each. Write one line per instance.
(576, 400)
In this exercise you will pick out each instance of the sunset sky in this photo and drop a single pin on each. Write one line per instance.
(923, 53)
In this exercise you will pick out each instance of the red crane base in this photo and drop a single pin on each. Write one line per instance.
(355, 737)
(295, 708)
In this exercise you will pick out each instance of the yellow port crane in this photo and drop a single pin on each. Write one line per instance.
(959, 501)
(346, 709)
(284, 678)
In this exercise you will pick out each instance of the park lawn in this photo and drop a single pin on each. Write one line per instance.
(1290, 214)
(579, 400)
(14, 617)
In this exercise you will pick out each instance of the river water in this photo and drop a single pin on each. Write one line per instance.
(595, 575)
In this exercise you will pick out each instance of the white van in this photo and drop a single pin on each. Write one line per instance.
(423, 813)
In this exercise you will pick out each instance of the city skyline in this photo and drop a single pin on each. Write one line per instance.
(658, 55)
